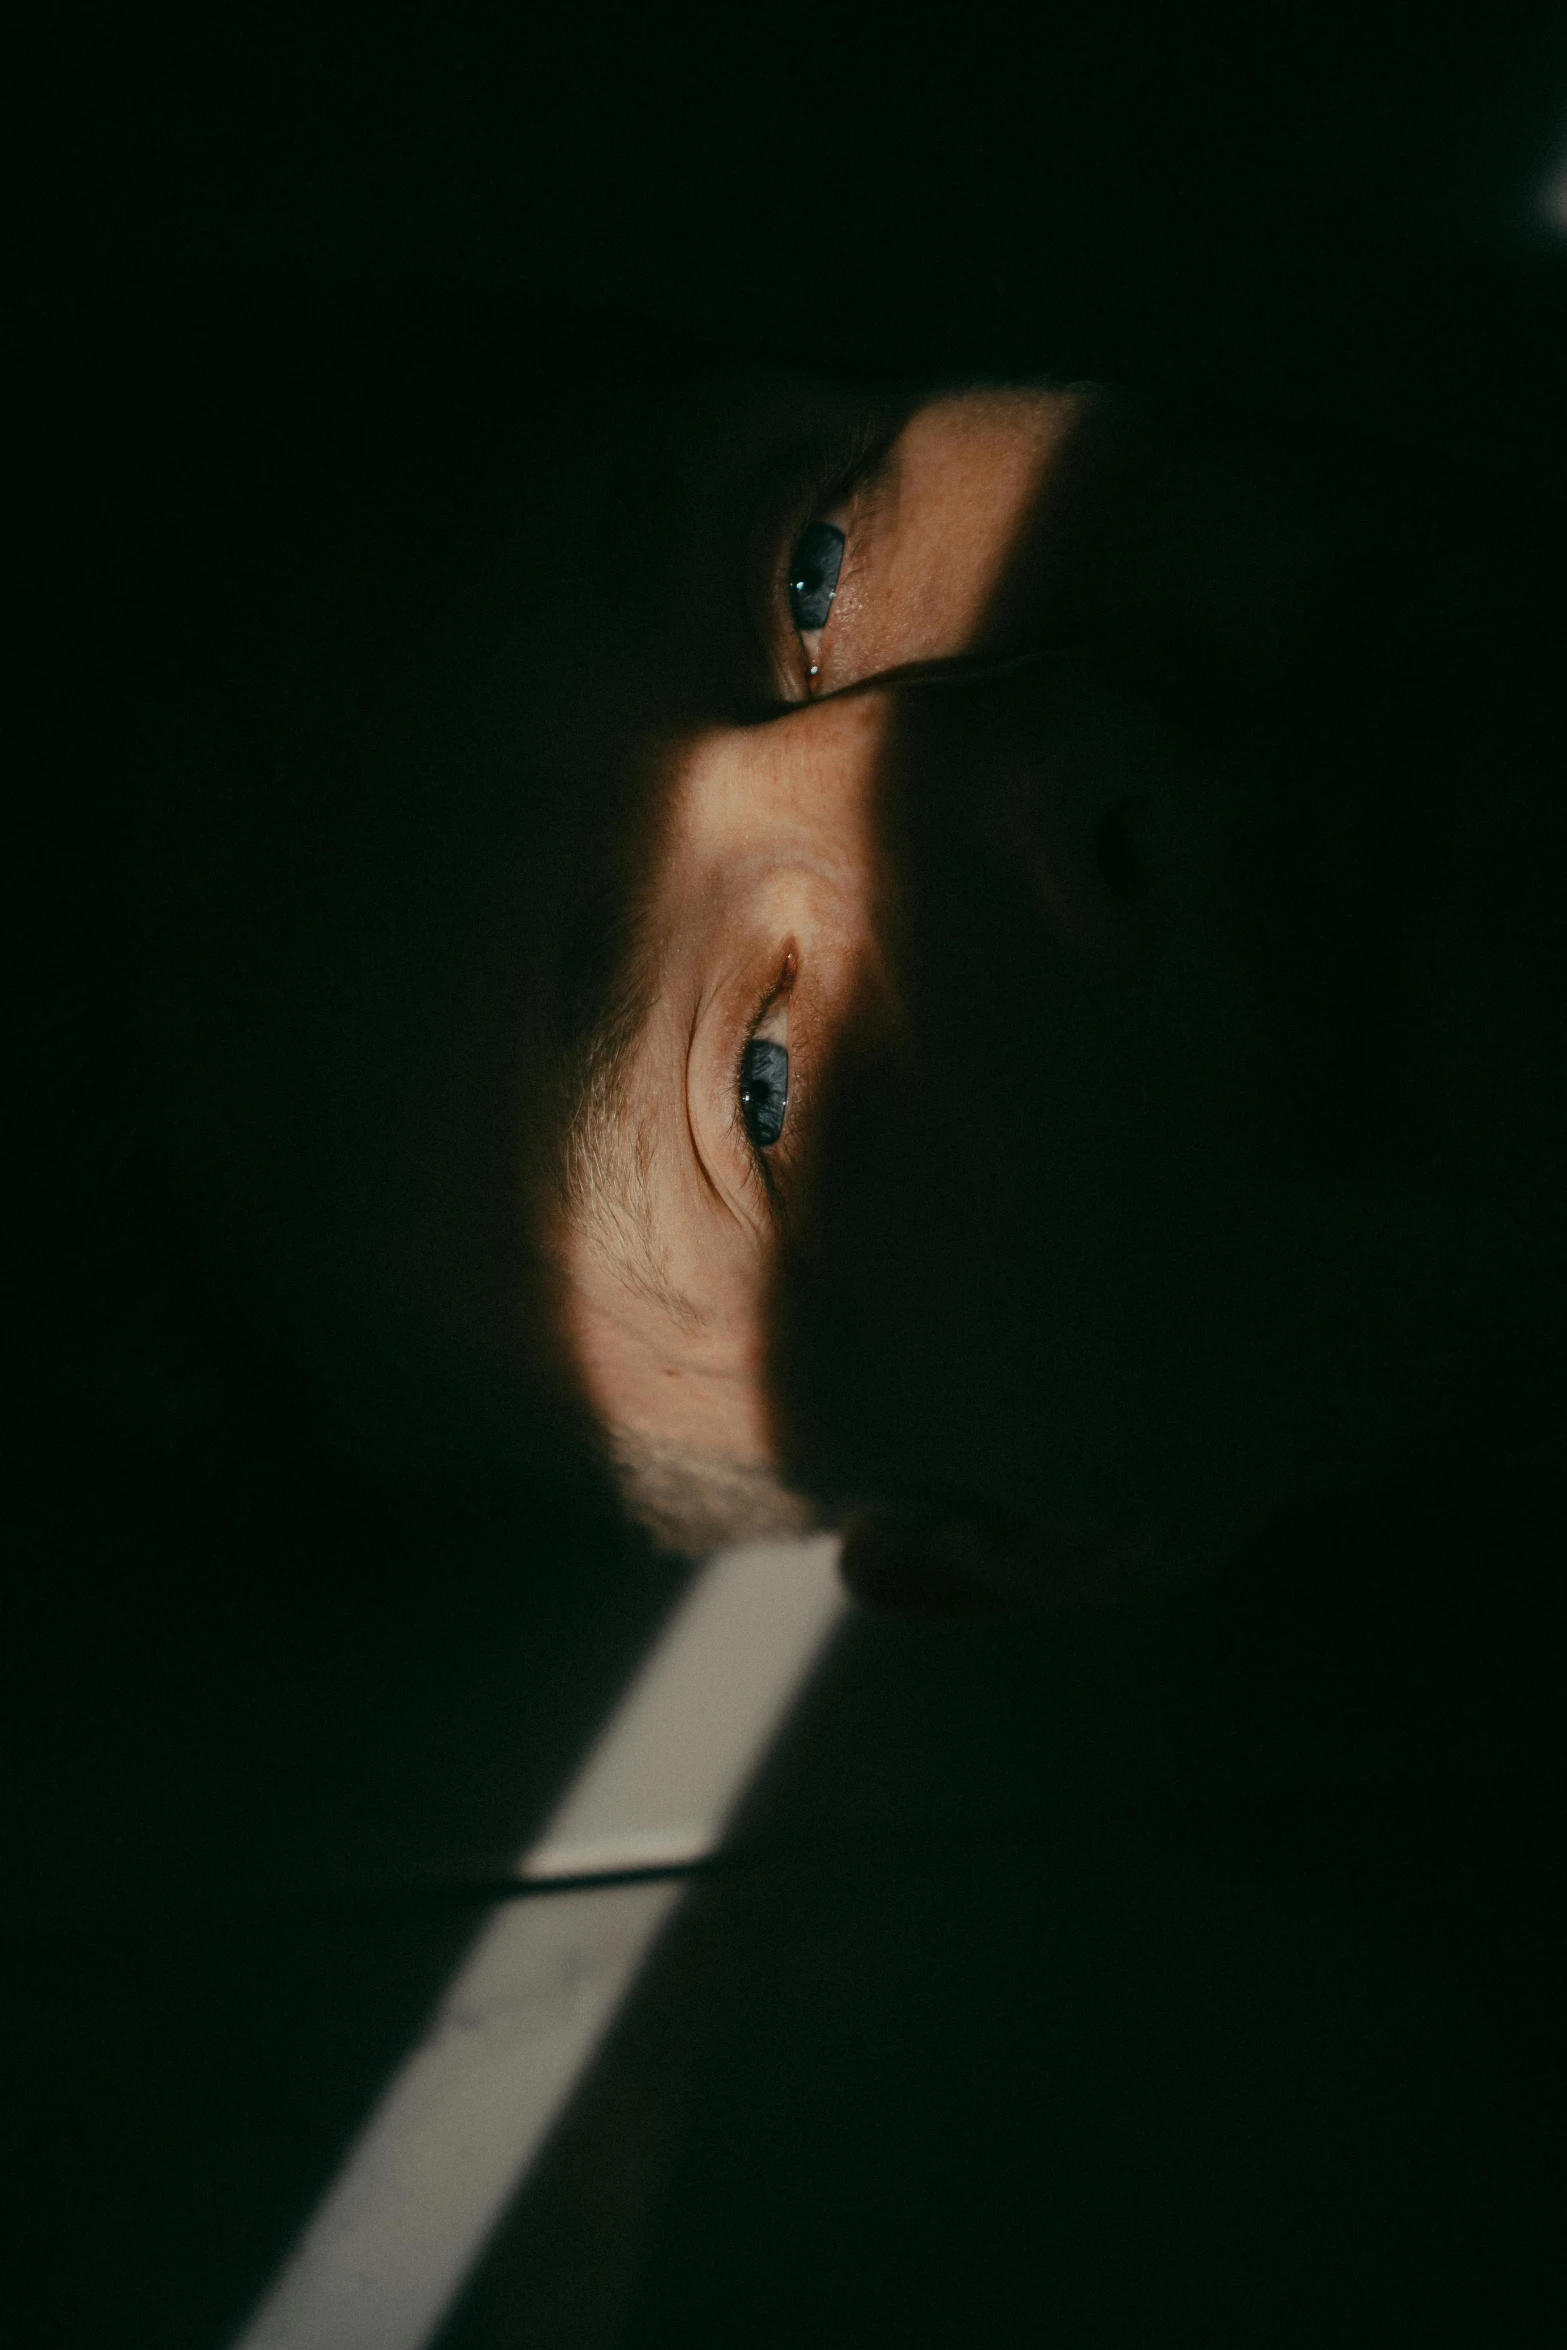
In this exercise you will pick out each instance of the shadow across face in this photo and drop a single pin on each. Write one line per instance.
(1189, 1148)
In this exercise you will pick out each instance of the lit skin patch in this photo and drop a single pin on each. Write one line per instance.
(931, 532)
(765, 891)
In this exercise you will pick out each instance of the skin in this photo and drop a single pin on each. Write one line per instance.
(766, 888)
(1175, 1108)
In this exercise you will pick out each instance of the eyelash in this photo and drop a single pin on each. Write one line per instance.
(824, 475)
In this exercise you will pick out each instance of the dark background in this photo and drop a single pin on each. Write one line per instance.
(1100, 181)
(1188, 1974)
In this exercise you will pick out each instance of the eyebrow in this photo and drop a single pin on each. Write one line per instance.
(608, 1160)
(624, 1240)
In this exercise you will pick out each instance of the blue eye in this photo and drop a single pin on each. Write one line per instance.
(764, 1090)
(813, 574)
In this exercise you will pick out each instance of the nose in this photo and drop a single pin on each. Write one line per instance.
(1063, 785)
(1076, 784)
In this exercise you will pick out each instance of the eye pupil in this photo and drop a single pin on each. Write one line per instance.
(764, 1090)
(813, 574)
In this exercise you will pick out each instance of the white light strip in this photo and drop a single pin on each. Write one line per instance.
(663, 1779)
(434, 2169)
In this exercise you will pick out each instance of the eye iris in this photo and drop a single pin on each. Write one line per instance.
(813, 574)
(764, 1090)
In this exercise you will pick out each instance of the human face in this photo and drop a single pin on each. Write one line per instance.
(763, 917)
(1127, 1161)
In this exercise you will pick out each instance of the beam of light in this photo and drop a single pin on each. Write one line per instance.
(386, 2251)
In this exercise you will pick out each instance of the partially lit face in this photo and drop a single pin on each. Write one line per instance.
(763, 918)
(1046, 1098)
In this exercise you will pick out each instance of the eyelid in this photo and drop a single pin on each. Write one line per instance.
(824, 475)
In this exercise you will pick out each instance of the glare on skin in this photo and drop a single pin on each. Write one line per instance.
(766, 895)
